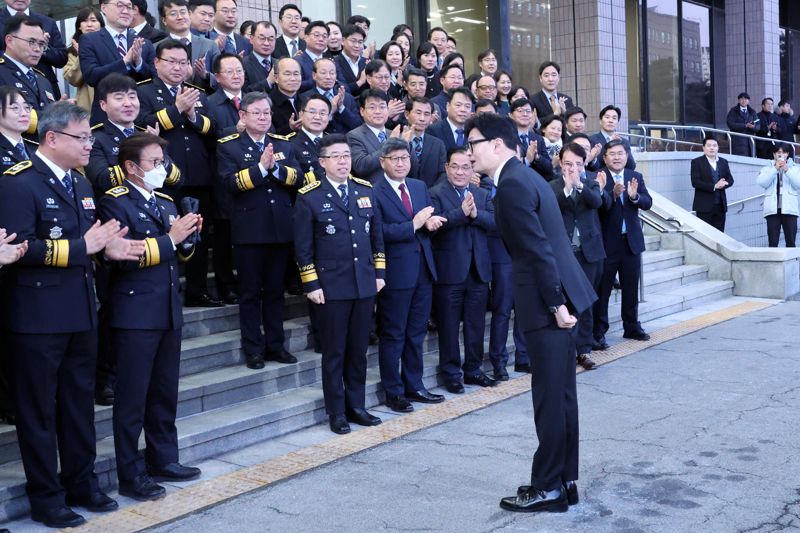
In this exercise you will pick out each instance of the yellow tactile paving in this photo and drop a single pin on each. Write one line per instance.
(217, 490)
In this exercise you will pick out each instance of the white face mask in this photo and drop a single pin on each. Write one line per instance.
(154, 178)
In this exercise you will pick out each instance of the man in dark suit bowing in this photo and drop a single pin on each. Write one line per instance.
(464, 268)
(549, 288)
(405, 304)
(624, 242)
(429, 150)
(711, 176)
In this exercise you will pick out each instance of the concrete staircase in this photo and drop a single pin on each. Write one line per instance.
(224, 406)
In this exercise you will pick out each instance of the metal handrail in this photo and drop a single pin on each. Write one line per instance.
(703, 130)
(674, 142)
(741, 203)
(662, 229)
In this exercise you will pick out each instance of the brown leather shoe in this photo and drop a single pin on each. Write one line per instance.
(585, 362)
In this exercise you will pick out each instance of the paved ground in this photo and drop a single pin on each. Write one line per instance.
(697, 434)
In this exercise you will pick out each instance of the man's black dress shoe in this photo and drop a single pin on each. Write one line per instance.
(456, 387)
(230, 298)
(423, 396)
(481, 380)
(173, 472)
(281, 357)
(204, 300)
(523, 367)
(399, 404)
(500, 374)
(339, 424)
(570, 487)
(142, 488)
(534, 501)
(637, 336)
(256, 361)
(599, 343)
(104, 395)
(98, 502)
(584, 360)
(58, 517)
(361, 417)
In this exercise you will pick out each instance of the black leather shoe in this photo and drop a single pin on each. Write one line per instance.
(204, 300)
(599, 343)
(339, 424)
(142, 488)
(58, 517)
(534, 501)
(570, 487)
(256, 362)
(173, 472)
(481, 380)
(361, 417)
(456, 387)
(423, 396)
(104, 395)
(584, 360)
(281, 357)
(399, 404)
(637, 336)
(98, 502)
(230, 298)
(525, 368)
(500, 374)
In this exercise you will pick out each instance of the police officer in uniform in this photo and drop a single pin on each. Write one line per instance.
(49, 313)
(339, 243)
(261, 170)
(15, 118)
(146, 319)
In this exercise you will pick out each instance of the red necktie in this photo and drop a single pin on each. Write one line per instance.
(236, 102)
(406, 200)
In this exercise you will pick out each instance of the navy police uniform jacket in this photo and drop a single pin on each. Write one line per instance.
(262, 205)
(10, 156)
(339, 249)
(51, 288)
(37, 96)
(145, 294)
(188, 140)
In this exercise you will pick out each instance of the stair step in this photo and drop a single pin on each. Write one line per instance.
(200, 321)
(652, 242)
(661, 259)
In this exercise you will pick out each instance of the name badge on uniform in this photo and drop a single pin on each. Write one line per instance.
(115, 150)
(279, 156)
(364, 202)
(55, 232)
(88, 203)
(49, 95)
(51, 204)
(19, 85)
(6, 160)
(142, 216)
(326, 207)
(330, 229)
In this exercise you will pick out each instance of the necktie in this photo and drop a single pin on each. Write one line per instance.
(416, 144)
(406, 200)
(461, 191)
(381, 136)
(31, 75)
(122, 45)
(267, 65)
(329, 94)
(260, 145)
(343, 193)
(185, 41)
(127, 132)
(151, 204)
(619, 178)
(291, 101)
(173, 91)
(317, 140)
(294, 46)
(459, 137)
(554, 103)
(21, 149)
(230, 46)
(524, 140)
(67, 183)
(236, 102)
(493, 192)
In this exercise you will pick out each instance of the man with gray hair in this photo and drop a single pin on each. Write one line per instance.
(49, 313)
(407, 210)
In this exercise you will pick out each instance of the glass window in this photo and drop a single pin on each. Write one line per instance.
(662, 61)
(697, 91)
(532, 20)
(382, 17)
(465, 20)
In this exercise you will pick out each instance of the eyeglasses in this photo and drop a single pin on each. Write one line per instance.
(398, 159)
(337, 157)
(385, 77)
(20, 108)
(85, 141)
(157, 163)
(121, 6)
(476, 141)
(373, 108)
(461, 168)
(292, 18)
(319, 35)
(259, 113)
(568, 164)
(262, 39)
(522, 111)
(34, 44)
(355, 42)
(174, 62)
(231, 72)
(323, 113)
(176, 14)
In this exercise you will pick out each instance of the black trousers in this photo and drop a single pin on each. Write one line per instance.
(54, 378)
(715, 217)
(145, 397)
(106, 368)
(344, 336)
(583, 333)
(222, 258)
(774, 225)
(629, 267)
(197, 266)
(6, 378)
(261, 269)
(555, 406)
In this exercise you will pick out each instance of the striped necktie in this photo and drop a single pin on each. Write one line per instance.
(122, 45)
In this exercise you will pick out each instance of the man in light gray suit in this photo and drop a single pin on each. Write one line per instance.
(176, 21)
(365, 141)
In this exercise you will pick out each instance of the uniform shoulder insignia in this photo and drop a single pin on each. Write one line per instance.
(162, 195)
(116, 192)
(97, 126)
(30, 141)
(193, 86)
(228, 138)
(148, 80)
(19, 167)
(360, 181)
(310, 187)
(80, 171)
(281, 137)
(139, 128)
(2, 60)
(37, 71)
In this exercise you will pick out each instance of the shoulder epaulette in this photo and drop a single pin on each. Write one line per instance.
(116, 192)
(193, 86)
(281, 137)
(2, 60)
(148, 80)
(97, 126)
(19, 167)
(30, 141)
(140, 128)
(310, 187)
(228, 138)
(162, 195)
(362, 182)
(37, 71)
(80, 171)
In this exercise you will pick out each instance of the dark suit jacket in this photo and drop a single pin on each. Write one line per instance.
(255, 76)
(432, 161)
(242, 44)
(341, 122)
(461, 241)
(583, 214)
(623, 209)
(151, 34)
(599, 138)
(403, 245)
(545, 272)
(306, 69)
(366, 150)
(542, 104)
(703, 183)
(56, 55)
(344, 74)
(543, 164)
(281, 50)
(441, 130)
(737, 122)
(282, 110)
